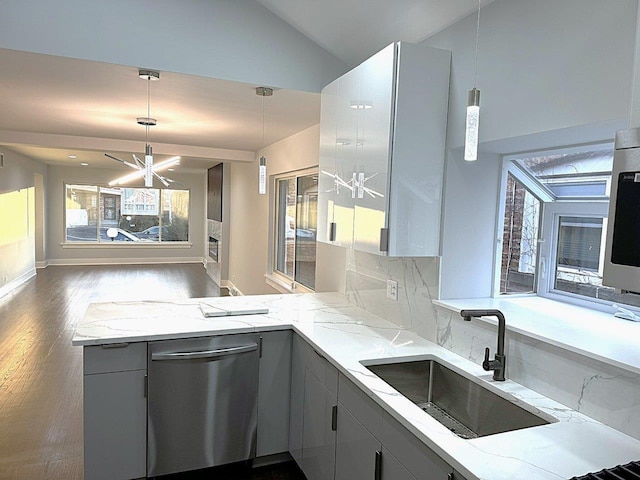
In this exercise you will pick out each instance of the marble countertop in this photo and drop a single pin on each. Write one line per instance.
(347, 335)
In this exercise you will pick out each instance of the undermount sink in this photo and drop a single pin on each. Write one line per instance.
(459, 403)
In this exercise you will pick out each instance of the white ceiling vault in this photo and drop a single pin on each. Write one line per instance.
(353, 30)
(53, 106)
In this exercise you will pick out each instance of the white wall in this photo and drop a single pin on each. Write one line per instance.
(249, 221)
(18, 228)
(102, 254)
(230, 39)
(552, 73)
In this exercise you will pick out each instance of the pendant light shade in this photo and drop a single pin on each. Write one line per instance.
(148, 166)
(471, 126)
(262, 176)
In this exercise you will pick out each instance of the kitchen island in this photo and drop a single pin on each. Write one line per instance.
(343, 336)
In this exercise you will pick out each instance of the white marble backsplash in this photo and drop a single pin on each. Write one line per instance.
(418, 280)
(604, 392)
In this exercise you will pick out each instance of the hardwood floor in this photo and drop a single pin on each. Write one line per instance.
(41, 372)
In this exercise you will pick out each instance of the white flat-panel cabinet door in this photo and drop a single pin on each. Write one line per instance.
(319, 440)
(346, 144)
(375, 113)
(356, 449)
(327, 183)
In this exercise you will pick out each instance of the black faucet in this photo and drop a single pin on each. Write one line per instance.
(500, 363)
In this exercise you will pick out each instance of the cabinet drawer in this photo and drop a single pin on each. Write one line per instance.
(119, 357)
(416, 457)
(365, 410)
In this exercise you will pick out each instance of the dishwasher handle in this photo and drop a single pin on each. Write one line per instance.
(205, 354)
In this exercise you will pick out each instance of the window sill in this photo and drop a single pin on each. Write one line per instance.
(126, 245)
(581, 330)
(283, 284)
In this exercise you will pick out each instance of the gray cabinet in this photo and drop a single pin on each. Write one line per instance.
(372, 445)
(274, 393)
(382, 145)
(314, 385)
(318, 438)
(415, 456)
(115, 412)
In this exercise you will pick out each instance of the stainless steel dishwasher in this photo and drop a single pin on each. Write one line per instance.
(202, 402)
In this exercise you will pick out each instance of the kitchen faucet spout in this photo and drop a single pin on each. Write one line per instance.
(498, 365)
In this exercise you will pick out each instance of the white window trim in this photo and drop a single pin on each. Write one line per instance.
(545, 274)
(549, 249)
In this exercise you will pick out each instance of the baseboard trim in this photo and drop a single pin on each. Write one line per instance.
(42, 264)
(122, 261)
(15, 283)
(233, 290)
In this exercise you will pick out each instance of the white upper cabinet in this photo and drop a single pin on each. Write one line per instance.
(382, 143)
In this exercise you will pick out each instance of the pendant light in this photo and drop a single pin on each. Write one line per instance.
(262, 168)
(473, 109)
(147, 169)
(149, 76)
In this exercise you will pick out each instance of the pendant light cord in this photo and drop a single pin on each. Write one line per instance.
(262, 119)
(475, 73)
(149, 107)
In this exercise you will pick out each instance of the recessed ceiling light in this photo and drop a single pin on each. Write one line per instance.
(84, 164)
(171, 169)
(73, 156)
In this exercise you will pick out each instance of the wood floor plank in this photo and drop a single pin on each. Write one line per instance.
(41, 372)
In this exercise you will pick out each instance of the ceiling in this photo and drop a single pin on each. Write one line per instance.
(353, 30)
(53, 107)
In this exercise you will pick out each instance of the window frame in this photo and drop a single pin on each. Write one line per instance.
(274, 277)
(102, 244)
(552, 208)
(547, 267)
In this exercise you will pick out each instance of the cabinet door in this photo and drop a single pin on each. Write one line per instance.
(327, 183)
(274, 393)
(392, 469)
(356, 449)
(346, 145)
(319, 440)
(375, 116)
(414, 455)
(115, 426)
(296, 399)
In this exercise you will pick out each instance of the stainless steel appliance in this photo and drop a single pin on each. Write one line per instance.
(622, 250)
(202, 402)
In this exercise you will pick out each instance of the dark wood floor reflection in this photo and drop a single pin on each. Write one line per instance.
(41, 373)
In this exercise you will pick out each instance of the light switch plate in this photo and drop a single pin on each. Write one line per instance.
(392, 290)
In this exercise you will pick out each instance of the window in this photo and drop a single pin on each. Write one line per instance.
(296, 224)
(131, 214)
(554, 224)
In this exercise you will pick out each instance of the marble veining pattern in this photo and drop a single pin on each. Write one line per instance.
(601, 391)
(347, 335)
(366, 285)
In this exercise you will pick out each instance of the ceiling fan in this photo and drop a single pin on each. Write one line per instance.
(142, 169)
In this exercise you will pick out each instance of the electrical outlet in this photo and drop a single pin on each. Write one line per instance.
(392, 290)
